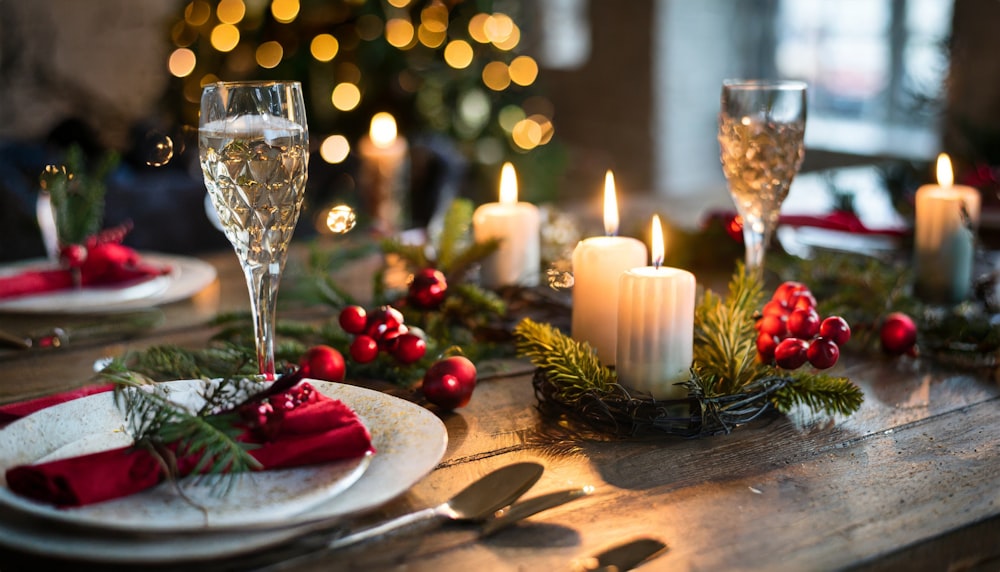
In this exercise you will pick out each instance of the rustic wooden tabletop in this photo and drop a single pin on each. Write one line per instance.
(911, 481)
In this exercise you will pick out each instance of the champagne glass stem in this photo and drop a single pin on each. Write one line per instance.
(263, 287)
(757, 233)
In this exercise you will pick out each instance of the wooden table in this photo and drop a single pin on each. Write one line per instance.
(911, 481)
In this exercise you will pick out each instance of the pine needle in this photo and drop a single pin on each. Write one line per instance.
(571, 365)
(819, 392)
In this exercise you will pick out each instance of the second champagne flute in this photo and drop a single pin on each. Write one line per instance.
(254, 147)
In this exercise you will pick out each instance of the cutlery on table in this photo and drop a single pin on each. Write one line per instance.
(122, 326)
(523, 509)
(476, 502)
(621, 557)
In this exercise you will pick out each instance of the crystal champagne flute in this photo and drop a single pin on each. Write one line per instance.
(761, 130)
(253, 144)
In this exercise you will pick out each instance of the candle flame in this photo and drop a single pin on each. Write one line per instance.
(383, 130)
(657, 246)
(610, 205)
(945, 176)
(508, 184)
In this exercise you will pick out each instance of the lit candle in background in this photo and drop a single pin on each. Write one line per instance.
(598, 263)
(384, 172)
(516, 225)
(944, 244)
(656, 325)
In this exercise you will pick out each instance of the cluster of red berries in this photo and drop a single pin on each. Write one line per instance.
(264, 416)
(791, 333)
(381, 331)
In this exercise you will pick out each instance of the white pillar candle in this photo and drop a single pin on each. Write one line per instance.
(946, 218)
(517, 261)
(656, 326)
(598, 263)
(384, 169)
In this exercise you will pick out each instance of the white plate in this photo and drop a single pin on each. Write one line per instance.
(187, 277)
(409, 441)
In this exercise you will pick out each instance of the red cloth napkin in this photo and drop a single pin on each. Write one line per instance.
(106, 264)
(14, 411)
(316, 429)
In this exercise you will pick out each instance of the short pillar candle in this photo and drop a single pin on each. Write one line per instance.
(517, 261)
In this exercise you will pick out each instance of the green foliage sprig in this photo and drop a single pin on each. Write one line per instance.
(77, 195)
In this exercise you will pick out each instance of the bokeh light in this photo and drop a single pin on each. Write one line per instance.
(346, 96)
(269, 54)
(158, 149)
(498, 27)
(341, 219)
(324, 47)
(197, 13)
(399, 3)
(383, 129)
(369, 27)
(496, 76)
(511, 42)
(183, 35)
(399, 32)
(509, 116)
(430, 38)
(545, 124)
(523, 70)
(285, 11)
(477, 28)
(458, 54)
(230, 11)
(526, 134)
(182, 62)
(225, 37)
(435, 18)
(334, 149)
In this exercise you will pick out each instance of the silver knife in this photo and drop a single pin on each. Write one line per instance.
(624, 556)
(523, 509)
(123, 326)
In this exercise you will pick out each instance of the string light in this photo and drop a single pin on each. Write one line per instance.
(458, 54)
(324, 47)
(346, 96)
(182, 62)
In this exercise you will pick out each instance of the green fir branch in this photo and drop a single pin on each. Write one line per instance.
(413, 254)
(819, 392)
(454, 236)
(474, 253)
(571, 365)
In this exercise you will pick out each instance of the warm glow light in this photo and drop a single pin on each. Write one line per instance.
(510, 116)
(399, 3)
(197, 13)
(231, 11)
(511, 42)
(346, 96)
(657, 247)
(340, 219)
(225, 37)
(324, 47)
(383, 130)
(458, 54)
(546, 126)
(508, 184)
(527, 134)
(285, 11)
(945, 176)
(610, 205)
(399, 32)
(269, 54)
(477, 28)
(430, 38)
(182, 62)
(498, 27)
(435, 17)
(523, 70)
(496, 76)
(334, 149)
(207, 79)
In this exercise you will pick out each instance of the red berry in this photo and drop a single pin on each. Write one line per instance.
(786, 290)
(802, 300)
(427, 289)
(791, 353)
(836, 329)
(449, 382)
(384, 319)
(353, 319)
(323, 362)
(898, 334)
(409, 348)
(773, 325)
(803, 323)
(823, 353)
(775, 308)
(364, 349)
(766, 343)
(387, 341)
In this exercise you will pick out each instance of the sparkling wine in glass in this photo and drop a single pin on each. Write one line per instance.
(761, 130)
(253, 143)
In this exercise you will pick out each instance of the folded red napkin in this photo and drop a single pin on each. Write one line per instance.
(106, 264)
(296, 428)
(14, 411)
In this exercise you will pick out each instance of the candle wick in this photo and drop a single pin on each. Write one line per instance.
(657, 262)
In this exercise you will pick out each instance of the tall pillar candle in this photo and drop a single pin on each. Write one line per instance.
(944, 244)
(517, 260)
(383, 175)
(598, 263)
(656, 326)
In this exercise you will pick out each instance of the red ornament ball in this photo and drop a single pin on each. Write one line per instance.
(409, 348)
(836, 329)
(323, 362)
(823, 353)
(353, 319)
(73, 255)
(898, 334)
(384, 319)
(803, 323)
(428, 289)
(449, 382)
(791, 353)
(364, 349)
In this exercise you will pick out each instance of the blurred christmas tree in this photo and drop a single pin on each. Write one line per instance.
(454, 68)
